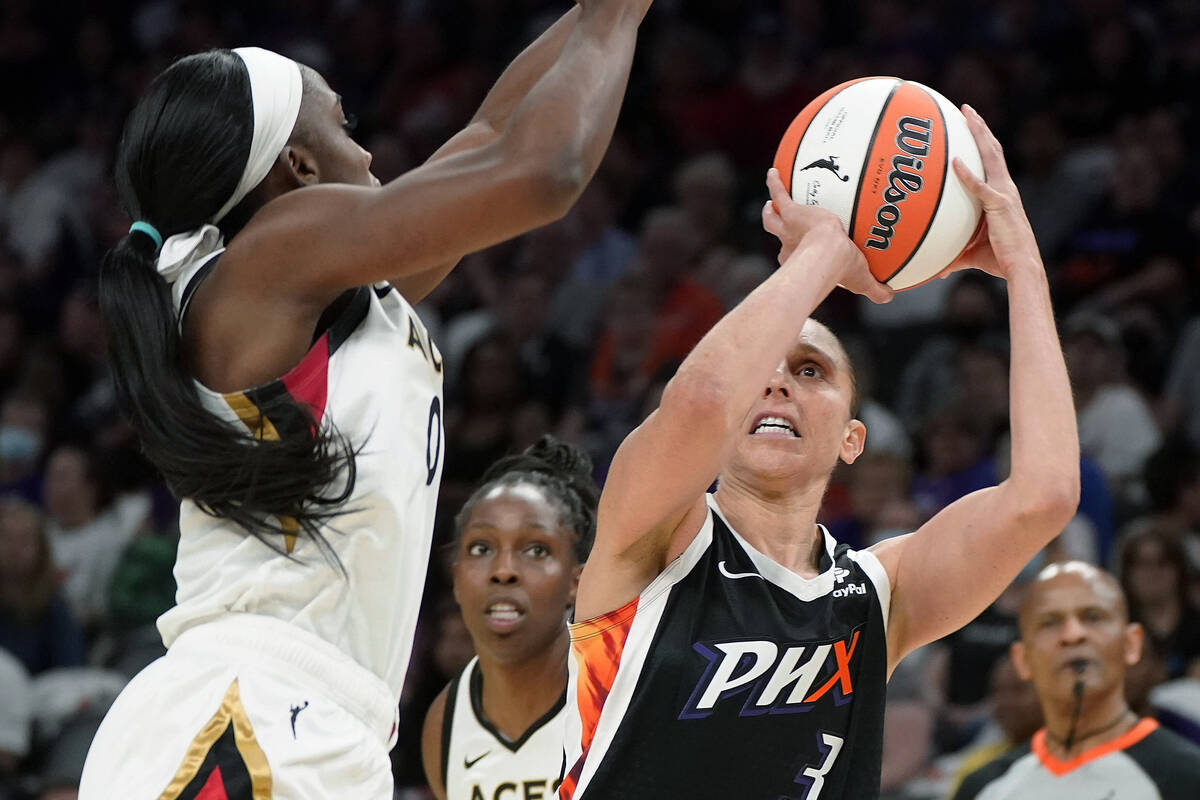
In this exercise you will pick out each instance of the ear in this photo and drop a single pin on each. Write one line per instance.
(1019, 656)
(853, 441)
(1135, 638)
(302, 165)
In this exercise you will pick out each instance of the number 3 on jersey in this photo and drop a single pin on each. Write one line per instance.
(813, 778)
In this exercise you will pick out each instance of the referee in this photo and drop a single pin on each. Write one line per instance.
(1076, 642)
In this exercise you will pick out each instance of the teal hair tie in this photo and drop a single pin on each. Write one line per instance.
(149, 230)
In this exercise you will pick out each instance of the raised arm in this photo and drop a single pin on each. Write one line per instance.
(489, 122)
(955, 565)
(319, 240)
(653, 495)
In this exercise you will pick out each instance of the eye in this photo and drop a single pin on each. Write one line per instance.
(538, 550)
(809, 370)
(350, 123)
(477, 549)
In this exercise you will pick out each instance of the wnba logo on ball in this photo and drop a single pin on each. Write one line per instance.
(904, 136)
(912, 137)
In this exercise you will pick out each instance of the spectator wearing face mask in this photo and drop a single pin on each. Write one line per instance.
(23, 422)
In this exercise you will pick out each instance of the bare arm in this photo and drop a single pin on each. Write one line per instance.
(431, 745)
(656, 483)
(956, 564)
(490, 122)
(315, 242)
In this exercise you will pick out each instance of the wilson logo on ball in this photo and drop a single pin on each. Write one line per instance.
(912, 137)
(876, 149)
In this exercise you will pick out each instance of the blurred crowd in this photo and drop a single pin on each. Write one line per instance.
(575, 328)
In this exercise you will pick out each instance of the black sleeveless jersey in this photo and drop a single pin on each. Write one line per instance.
(732, 677)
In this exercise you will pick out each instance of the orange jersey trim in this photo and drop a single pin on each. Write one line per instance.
(597, 645)
(1060, 768)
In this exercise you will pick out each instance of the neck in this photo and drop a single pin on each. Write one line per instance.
(517, 694)
(1102, 718)
(779, 524)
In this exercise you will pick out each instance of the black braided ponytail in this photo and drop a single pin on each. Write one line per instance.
(562, 471)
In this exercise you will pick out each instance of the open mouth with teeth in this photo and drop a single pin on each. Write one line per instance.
(774, 425)
(502, 616)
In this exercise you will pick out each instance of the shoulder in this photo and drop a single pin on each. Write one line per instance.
(990, 772)
(1171, 761)
(434, 739)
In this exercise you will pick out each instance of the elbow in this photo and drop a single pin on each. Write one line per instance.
(558, 181)
(1050, 503)
(695, 394)
(549, 177)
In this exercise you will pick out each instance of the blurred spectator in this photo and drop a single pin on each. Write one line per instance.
(680, 310)
(606, 251)
(1172, 478)
(706, 190)
(482, 420)
(1014, 716)
(16, 719)
(36, 625)
(1052, 171)
(1116, 428)
(973, 306)
(972, 653)
(1155, 577)
(1181, 394)
(954, 459)
(87, 530)
(768, 88)
(23, 423)
(885, 431)
(877, 486)
(982, 377)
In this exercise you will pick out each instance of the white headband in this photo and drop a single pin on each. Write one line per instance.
(275, 90)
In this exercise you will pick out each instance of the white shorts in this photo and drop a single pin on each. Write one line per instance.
(246, 708)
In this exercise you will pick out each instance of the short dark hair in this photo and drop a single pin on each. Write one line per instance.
(564, 474)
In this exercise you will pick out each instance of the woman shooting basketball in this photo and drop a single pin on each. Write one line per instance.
(730, 629)
(266, 351)
(520, 543)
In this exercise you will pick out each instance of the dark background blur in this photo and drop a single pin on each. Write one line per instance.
(575, 328)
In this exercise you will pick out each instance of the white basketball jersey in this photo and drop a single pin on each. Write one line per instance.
(376, 376)
(480, 764)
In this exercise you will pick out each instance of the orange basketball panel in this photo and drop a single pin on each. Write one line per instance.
(902, 181)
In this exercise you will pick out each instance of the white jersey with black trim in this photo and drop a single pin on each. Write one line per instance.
(478, 763)
(373, 374)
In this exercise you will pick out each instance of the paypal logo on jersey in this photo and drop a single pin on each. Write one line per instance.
(776, 679)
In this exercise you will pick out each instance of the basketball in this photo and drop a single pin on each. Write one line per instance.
(877, 152)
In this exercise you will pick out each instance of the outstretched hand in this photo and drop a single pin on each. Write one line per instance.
(1005, 239)
(795, 225)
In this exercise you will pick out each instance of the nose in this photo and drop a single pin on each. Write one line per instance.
(778, 383)
(503, 569)
(1073, 630)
